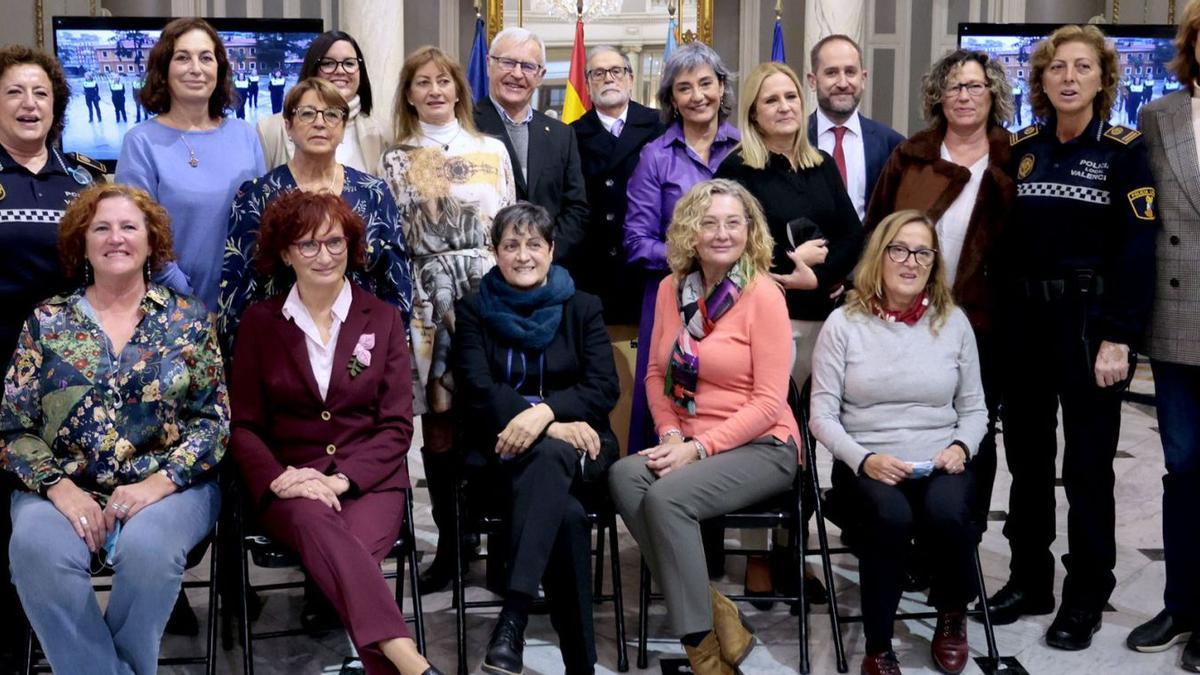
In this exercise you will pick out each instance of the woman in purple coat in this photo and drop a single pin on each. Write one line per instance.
(695, 99)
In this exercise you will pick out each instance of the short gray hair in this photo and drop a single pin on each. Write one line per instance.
(933, 87)
(520, 36)
(686, 58)
(520, 216)
(600, 49)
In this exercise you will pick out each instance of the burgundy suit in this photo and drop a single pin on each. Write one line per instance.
(362, 429)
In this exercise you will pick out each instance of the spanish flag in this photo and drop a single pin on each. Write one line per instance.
(577, 102)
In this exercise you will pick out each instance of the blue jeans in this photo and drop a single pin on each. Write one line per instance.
(51, 569)
(1177, 391)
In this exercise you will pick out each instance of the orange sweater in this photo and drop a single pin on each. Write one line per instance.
(742, 390)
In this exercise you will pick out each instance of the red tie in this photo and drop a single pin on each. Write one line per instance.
(839, 153)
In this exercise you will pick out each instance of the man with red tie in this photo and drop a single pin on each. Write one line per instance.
(859, 145)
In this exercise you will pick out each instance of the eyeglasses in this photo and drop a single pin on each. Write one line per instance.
(973, 89)
(310, 248)
(330, 66)
(332, 116)
(508, 65)
(601, 74)
(900, 254)
(731, 226)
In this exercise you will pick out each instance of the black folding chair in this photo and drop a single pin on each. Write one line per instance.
(35, 661)
(269, 554)
(836, 617)
(602, 515)
(783, 510)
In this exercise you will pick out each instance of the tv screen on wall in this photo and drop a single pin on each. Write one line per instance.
(104, 59)
(1143, 53)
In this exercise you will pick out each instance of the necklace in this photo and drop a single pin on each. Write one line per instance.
(191, 153)
(332, 179)
(446, 145)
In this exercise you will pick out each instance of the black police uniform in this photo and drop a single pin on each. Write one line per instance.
(1078, 269)
(116, 88)
(31, 206)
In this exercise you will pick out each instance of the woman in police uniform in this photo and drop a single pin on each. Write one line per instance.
(1078, 271)
(36, 182)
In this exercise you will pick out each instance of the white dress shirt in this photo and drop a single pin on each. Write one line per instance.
(952, 227)
(320, 354)
(608, 122)
(856, 157)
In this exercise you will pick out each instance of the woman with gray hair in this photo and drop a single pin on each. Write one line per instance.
(695, 99)
(955, 170)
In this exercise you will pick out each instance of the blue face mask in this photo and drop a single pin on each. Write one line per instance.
(921, 469)
(105, 555)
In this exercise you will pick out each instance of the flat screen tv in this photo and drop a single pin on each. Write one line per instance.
(104, 59)
(1143, 52)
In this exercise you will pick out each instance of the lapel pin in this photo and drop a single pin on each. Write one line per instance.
(547, 129)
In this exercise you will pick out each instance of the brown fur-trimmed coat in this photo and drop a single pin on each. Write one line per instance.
(916, 177)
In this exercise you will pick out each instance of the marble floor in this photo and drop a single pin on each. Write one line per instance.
(1138, 596)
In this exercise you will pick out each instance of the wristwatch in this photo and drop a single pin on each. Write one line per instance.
(701, 453)
(48, 483)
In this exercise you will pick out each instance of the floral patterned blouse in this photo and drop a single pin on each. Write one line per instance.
(386, 274)
(74, 408)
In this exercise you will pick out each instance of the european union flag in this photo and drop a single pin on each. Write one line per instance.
(477, 64)
(777, 44)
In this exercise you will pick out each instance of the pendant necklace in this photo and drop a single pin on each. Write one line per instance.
(192, 161)
(446, 145)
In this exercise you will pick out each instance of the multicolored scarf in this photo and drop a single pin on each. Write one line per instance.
(699, 316)
(908, 316)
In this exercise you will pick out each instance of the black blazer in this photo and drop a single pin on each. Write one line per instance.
(555, 180)
(580, 383)
(607, 164)
(879, 140)
(817, 194)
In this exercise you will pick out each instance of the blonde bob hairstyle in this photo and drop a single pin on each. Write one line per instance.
(1184, 66)
(753, 148)
(1043, 56)
(684, 232)
(868, 280)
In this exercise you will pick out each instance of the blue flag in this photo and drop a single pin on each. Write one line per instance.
(477, 64)
(777, 44)
(670, 40)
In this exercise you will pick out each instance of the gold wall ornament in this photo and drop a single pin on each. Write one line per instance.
(1116, 17)
(39, 18)
(495, 18)
(704, 24)
(1171, 11)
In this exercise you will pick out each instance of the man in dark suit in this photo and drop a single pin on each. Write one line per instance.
(611, 136)
(544, 154)
(859, 145)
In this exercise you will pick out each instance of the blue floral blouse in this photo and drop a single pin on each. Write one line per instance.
(74, 408)
(386, 275)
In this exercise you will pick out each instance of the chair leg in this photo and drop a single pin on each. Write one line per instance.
(247, 634)
(418, 610)
(988, 631)
(29, 637)
(798, 542)
(598, 576)
(839, 646)
(643, 618)
(214, 600)
(460, 610)
(618, 600)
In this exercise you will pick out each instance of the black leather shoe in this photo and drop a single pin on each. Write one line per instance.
(504, 654)
(1191, 654)
(1158, 634)
(1073, 629)
(1011, 602)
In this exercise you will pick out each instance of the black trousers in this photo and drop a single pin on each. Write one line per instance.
(1050, 358)
(983, 462)
(937, 511)
(549, 543)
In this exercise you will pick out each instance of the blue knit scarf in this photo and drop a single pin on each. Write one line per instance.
(525, 319)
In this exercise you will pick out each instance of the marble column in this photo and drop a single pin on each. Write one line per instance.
(378, 26)
(827, 17)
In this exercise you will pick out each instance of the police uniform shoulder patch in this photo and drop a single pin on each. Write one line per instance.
(1141, 201)
(1015, 137)
(96, 168)
(1025, 167)
(1122, 135)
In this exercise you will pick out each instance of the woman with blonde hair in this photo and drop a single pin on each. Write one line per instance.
(719, 402)
(449, 180)
(896, 396)
(809, 214)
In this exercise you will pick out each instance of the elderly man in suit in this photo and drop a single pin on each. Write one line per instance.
(1169, 125)
(859, 145)
(544, 154)
(611, 136)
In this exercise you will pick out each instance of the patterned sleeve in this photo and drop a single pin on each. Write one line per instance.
(203, 414)
(238, 283)
(508, 183)
(22, 449)
(387, 250)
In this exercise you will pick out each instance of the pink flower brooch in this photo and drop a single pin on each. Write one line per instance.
(362, 354)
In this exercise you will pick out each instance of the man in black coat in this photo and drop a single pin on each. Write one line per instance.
(611, 136)
(544, 155)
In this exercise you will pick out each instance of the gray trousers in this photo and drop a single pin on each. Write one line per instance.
(664, 515)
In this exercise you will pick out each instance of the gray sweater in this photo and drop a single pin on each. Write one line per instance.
(888, 388)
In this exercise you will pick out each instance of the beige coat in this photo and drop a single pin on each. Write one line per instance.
(278, 148)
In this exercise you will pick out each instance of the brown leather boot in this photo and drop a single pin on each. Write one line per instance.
(949, 647)
(733, 632)
(705, 658)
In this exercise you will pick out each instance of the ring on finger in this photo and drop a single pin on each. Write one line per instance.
(83, 520)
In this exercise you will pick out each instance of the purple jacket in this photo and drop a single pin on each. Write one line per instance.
(666, 170)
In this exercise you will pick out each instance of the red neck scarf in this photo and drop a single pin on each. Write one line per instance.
(908, 316)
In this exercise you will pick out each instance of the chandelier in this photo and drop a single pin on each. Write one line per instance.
(569, 10)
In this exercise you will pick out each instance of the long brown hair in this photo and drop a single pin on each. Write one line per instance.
(406, 124)
(156, 93)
